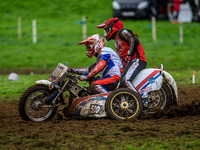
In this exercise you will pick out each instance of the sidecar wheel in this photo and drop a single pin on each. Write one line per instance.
(159, 100)
(31, 101)
(123, 103)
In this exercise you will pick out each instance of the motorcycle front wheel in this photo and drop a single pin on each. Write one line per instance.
(123, 103)
(32, 101)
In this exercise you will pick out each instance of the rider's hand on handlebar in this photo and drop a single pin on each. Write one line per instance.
(126, 60)
(70, 70)
(83, 78)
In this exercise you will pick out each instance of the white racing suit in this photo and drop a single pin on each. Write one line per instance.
(108, 66)
(135, 66)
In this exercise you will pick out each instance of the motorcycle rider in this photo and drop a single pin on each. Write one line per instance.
(108, 65)
(128, 47)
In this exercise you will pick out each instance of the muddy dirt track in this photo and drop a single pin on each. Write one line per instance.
(179, 126)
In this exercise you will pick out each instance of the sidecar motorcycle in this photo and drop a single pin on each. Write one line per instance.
(156, 90)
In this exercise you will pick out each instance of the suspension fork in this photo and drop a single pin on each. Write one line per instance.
(57, 94)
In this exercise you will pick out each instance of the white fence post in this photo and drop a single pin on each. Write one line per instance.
(34, 32)
(181, 32)
(84, 27)
(19, 30)
(153, 20)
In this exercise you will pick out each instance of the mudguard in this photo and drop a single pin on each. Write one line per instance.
(44, 82)
(170, 80)
(148, 80)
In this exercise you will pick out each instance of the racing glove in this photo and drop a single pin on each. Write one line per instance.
(70, 70)
(83, 78)
(128, 57)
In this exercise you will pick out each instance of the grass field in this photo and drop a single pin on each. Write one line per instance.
(59, 31)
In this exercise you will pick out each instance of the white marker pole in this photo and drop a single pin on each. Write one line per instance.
(19, 28)
(193, 77)
(84, 28)
(181, 32)
(153, 20)
(31, 71)
(34, 32)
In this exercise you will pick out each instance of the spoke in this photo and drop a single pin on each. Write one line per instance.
(117, 100)
(126, 113)
(133, 106)
(117, 111)
(129, 97)
(122, 114)
(116, 105)
(131, 111)
(122, 98)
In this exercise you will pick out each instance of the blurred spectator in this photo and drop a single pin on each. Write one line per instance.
(170, 10)
(173, 9)
(154, 7)
(162, 9)
(194, 5)
(176, 11)
(198, 15)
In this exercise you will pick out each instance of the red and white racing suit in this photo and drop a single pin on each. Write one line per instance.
(108, 65)
(128, 46)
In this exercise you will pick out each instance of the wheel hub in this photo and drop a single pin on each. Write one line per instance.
(154, 100)
(36, 105)
(124, 105)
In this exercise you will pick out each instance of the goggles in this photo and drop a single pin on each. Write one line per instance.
(89, 47)
(107, 29)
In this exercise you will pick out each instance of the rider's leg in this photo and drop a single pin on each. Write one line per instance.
(135, 67)
(97, 89)
(104, 85)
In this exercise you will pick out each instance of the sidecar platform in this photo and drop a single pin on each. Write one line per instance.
(91, 106)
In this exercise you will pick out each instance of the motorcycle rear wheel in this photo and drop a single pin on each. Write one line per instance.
(160, 99)
(31, 101)
(123, 104)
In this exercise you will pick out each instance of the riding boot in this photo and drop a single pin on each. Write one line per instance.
(130, 86)
(96, 89)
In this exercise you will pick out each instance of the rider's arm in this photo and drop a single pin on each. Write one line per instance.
(79, 70)
(100, 65)
(129, 37)
(82, 71)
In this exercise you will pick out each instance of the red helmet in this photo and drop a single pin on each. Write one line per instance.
(93, 44)
(111, 26)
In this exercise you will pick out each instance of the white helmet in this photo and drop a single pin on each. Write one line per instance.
(93, 44)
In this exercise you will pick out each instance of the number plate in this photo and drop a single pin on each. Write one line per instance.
(95, 109)
(128, 13)
(59, 73)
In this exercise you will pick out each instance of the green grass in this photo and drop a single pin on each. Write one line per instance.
(11, 90)
(57, 42)
(59, 32)
(151, 143)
